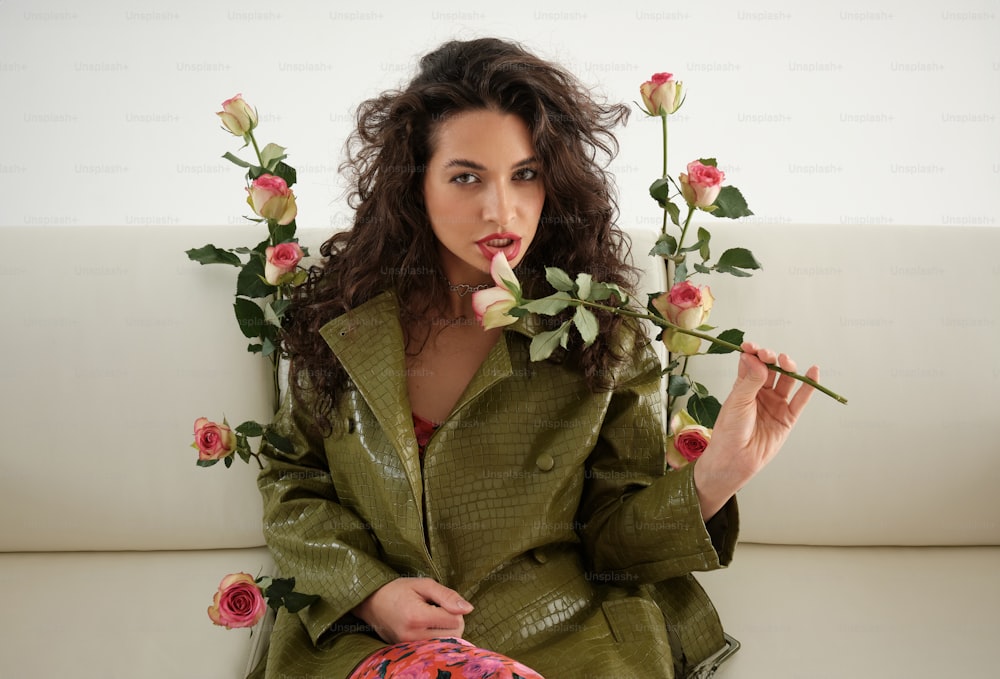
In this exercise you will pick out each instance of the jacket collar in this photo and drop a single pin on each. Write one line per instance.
(368, 342)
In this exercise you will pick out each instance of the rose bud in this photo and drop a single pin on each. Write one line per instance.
(237, 116)
(686, 306)
(491, 305)
(214, 441)
(271, 198)
(281, 261)
(702, 184)
(661, 94)
(238, 603)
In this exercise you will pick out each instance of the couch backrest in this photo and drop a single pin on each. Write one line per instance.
(114, 343)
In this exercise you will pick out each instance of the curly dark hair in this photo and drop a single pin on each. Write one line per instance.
(391, 235)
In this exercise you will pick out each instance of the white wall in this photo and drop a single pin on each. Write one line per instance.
(876, 112)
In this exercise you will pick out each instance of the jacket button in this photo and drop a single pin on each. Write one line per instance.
(539, 555)
(545, 462)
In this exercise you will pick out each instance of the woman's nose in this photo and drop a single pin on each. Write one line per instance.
(499, 208)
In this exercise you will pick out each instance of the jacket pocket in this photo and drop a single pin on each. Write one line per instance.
(635, 619)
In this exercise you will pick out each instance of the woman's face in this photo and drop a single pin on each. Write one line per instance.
(483, 192)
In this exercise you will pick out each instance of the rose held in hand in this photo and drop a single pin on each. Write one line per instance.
(237, 116)
(271, 198)
(238, 603)
(687, 306)
(661, 94)
(281, 260)
(214, 441)
(702, 184)
(491, 305)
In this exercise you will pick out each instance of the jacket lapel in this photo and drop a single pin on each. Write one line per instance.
(368, 342)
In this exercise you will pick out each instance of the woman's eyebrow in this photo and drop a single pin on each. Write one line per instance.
(473, 165)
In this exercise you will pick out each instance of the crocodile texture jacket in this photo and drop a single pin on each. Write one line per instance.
(545, 505)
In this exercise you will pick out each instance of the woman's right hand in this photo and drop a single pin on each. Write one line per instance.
(408, 609)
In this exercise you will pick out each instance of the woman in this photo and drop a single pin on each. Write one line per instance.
(445, 487)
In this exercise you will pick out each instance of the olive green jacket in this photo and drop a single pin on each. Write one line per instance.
(547, 506)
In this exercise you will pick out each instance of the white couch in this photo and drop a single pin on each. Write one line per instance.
(871, 546)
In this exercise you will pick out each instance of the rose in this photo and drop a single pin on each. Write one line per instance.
(491, 305)
(686, 306)
(214, 441)
(281, 261)
(702, 184)
(238, 603)
(687, 441)
(237, 116)
(271, 198)
(662, 94)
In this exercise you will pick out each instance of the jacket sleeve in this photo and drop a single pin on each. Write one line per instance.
(641, 522)
(328, 549)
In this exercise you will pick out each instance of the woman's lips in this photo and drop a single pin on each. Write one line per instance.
(507, 243)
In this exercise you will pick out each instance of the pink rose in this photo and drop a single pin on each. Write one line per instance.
(687, 441)
(281, 261)
(702, 184)
(686, 305)
(491, 305)
(662, 94)
(237, 116)
(238, 603)
(214, 441)
(271, 198)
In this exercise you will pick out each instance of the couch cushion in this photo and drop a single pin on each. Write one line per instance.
(122, 615)
(866, 612)
(114, 349)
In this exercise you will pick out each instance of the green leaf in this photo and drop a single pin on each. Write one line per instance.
(678, 385)
(731, 204)
(270, 155)
(558, 279)
(250, 317)
(708, 161)
(660, 190)
(548, 306)
(206, 463)
(741, 258)
(250, 281)
(278, 441)
(699, 389)
(250, 428)
(268, 347)
(296, 601)
(586, 323)
(271, 317)
(283, 233)
(255, 348)
(704, 410)
(286, 172)
(583, 281)
(209, 254)
(602, 291)
(666, 245)
(235, 160)
(674, 212)
(733, 336)
(703, 238)
(544, 343)
(701, 268)
(680, 273)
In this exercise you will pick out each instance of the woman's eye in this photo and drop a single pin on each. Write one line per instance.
(465, 178)
(526, 174)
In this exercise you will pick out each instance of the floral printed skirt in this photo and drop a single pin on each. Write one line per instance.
(440, 659)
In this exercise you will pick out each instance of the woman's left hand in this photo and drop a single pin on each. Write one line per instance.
(752, 425)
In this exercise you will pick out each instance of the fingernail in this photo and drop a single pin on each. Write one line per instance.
(464, 605)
